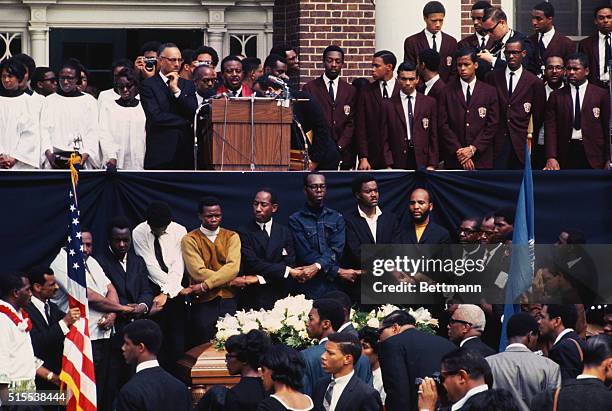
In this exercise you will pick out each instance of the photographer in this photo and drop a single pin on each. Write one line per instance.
(146, 62)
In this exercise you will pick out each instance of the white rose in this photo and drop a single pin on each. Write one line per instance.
(421, 315)
(295, 323)
(228, 322)
(223, 335)
(250, 325)
(271, 323)
(373, 322)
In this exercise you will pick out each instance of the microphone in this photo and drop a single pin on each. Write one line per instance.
(216, 96)
(277, 80)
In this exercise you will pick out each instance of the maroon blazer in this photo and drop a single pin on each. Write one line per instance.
(559, 45)
(339, 114)
(367, 124)
(590, 47)
(414, 44)
(528, 98)
(471, 41)
(424, 132)
(461, 125)
(437, 89)
(594, 118)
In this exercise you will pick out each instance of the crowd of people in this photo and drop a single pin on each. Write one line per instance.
(472, 104)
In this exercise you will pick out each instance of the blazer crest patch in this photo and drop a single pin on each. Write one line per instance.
(482, 112)
(596, 112)
(347, 110)
(425, 123)
(527, 107)
(449, 60)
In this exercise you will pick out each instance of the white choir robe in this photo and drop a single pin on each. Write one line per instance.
(122, 135)
(20, 131)
(106, 97)
(62, 119)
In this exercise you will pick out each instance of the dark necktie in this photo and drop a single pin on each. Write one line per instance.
(331, 91)
(510, 85)
(48, 312)
(482, 43)
(158, 254)
(328, 396)
(433, 43)
(468, 95)
(410, 115)
(542, 48)
(264, 231)
(385, 93)
(608, 52)
(577, 125)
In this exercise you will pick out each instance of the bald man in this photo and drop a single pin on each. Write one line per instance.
(417, 227)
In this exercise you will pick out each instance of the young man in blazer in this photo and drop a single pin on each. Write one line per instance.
(576, 129)
(468, 118)
(428, 69)
(409, 125)
(337, 100)
(480, 40)
(432, 37)
(595, 47)
(521, 99)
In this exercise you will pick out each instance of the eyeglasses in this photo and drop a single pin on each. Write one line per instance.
(492, 28)
(315, 187)
(174, 60)
(455, 321)
(382, 329)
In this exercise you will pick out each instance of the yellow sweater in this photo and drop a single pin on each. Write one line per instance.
(215, 264)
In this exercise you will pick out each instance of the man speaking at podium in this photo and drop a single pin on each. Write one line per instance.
(233, 75)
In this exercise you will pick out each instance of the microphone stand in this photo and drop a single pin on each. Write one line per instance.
(195, 134)
(610, 119)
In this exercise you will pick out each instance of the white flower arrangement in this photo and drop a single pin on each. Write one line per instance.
(424, 320)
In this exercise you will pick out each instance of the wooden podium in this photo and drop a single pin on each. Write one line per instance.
(240, 122)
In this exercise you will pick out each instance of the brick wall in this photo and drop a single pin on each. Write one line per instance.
(466, 21)
(349, 24)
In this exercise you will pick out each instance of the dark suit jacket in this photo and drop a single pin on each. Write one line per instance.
(594, 117)
(403, 358)
(356, 396)
(589, 393)
(414, 44)
(424, 132)
(471, 41)
(461, 125)
(168, 126)
(566, 354)
(559, 46)
(528, 99)
(476, 344)
(153, 389)
(367, 124)
(339, 114)
(590, 47)
(47, 340)
(267, 257)
(436, 90)
(433, 234)
(350, 330)
(530, 62)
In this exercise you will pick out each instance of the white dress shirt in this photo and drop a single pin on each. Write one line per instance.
(146, 364)
(479, 38)
(40, 306)
(586, 377)
(603, 75)
(377, 382)
(170, 242)
(504, 39)
(429, 35)
(464, 87)
(343, 326)
(211, 235)
(404, 98)
(268, 227)
(199, 98)
(335, 83)
(468, 395)
(515, 79)
(430, 83)
(165, 80)
(371, 221)
(466, 340)
(577, 134)
(561, 334)
(390, 86)
(547, 37)
(339, 387)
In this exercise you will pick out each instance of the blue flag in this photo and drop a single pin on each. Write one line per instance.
(522, 260)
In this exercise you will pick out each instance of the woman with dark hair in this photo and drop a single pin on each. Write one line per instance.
(243, 358)
(368, 336)
(122, 125)
(282, 373)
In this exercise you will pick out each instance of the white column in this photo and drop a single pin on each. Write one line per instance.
(39, 32)
(216, 29)
(266, 44)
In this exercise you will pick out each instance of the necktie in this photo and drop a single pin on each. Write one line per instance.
(385, 93)
(468, 96)
(608, 52)
(158, 254)
(434, 45)
(482, 43)
(542, 48)
(410, 115)
(577, 125)
(264, 231)
(48, 312)
(331, 91)
(328, 395)
(510, 85)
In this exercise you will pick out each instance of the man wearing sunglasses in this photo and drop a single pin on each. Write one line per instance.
(466, 326)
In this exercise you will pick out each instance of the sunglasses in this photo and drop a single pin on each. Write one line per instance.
(455, 321)
(489, 31)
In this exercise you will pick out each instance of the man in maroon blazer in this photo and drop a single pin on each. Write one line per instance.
(468, 117)
(598, 47)
(430, 82)
(521, 98)
(480, 40)
(409, 124)
(577, 121)
(548, 41)
(337, 99)
(233, 76)
(369, 108)
(433, 38)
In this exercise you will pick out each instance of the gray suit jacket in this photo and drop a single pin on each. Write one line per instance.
(523, 373)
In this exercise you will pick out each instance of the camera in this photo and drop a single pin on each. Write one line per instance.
(150, 63)
(435, 376)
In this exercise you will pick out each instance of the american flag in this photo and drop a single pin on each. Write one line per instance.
(77, 360)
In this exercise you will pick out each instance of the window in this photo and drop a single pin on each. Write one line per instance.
(10, 44)
(245, 44)
(573, 18)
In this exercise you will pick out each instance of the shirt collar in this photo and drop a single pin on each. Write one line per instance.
(586, 377)
(209, 233)
(517, 72)
(471, 84)
(468, 395)
(323, 340)
(517, 345)
(551, 89)
(267, 223)
(432, 80)
(466, 340)
(480, 37)
(581, 87)
(549, 34)
(164, 78)
(362, 214)
(344, 379)
(343, 326)
(38, 303)
(602, 36)
(430, 34)
(326, 80)
(561, 334)
(121, 260)
(146, 364)
(507, 36)
(390, 82)
(405, 96)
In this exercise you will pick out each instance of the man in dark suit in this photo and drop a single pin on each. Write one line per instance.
(406, 356)
(495, 22)
(346, 303)
(576, 129)
(337, 100)
(480, 40)
(49, 324)
(267, 256)
(419, 229)
(466, 326)
(522, 100)
(597, 47)
(547, 41)
(558, 322)
(409, 125)
(369, 109)
(169, 103)
(151, 388)
(432, 37)
(468, 118)
(430, 82)
(342, 390)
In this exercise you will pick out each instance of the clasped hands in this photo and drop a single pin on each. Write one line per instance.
(464, 156)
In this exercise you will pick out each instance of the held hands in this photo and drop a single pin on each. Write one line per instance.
(465, 153)
(158, 303)
(348, 274)
(107, 321)
(244, 281)
(303, 274)
(428, 394)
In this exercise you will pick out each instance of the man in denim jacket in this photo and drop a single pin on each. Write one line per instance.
(319, 237)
